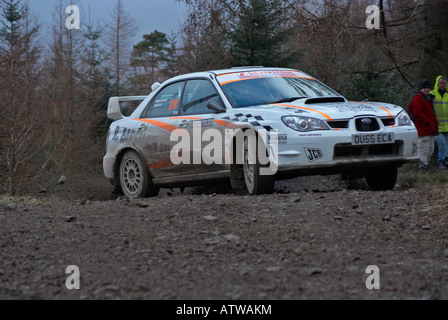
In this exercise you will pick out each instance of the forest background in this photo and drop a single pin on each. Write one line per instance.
(54, 95)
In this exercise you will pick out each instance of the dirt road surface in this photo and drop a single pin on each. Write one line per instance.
(313, 239)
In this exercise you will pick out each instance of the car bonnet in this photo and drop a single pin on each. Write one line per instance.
(342, 110)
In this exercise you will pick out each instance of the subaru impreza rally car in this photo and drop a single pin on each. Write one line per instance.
(252, 126)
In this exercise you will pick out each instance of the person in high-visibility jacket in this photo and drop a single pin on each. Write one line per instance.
(440, 102)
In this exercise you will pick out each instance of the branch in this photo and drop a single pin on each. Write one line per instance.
(396, 67)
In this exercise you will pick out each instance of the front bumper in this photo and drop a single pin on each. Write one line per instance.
(328, 152)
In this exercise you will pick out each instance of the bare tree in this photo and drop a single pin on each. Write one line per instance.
(72, 115)
(435, 39)
(119, 30)
(95, 78)
(21, 134)
(362, 63)
(205, 41)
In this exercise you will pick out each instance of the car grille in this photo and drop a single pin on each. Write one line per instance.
(360, 126)
(388, 122)
(367, 124)
(342, 151)
(342, 124)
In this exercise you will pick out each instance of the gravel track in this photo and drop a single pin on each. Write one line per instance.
(313, 239)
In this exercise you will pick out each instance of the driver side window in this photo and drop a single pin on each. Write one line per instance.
(197, 94)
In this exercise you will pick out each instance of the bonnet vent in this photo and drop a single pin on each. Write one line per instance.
(324, 100)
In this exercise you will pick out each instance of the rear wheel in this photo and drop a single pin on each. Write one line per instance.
(256, 183)
(382, 178)
(135, 180)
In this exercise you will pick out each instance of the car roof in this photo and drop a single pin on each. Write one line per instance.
(218, 72)
(246, 69)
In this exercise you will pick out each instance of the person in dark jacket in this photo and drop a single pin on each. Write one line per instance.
(426, 123)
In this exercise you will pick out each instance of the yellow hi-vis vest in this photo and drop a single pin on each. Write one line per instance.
(441, 107)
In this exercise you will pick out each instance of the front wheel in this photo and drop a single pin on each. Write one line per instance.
(135, 180)
(382, 178)
(256, 183)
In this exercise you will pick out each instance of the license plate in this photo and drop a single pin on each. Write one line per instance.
(373, 138)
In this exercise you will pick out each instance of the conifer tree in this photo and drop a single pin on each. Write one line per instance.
(147, 58)
(259, 32)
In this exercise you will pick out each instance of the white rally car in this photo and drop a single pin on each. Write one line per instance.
(252, 126)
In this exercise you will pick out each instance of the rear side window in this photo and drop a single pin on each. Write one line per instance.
(197, 94)
(166, 103)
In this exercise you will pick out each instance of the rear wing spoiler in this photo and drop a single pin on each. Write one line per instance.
(114, 110)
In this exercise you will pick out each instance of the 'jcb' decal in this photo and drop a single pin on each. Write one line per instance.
(314, 154)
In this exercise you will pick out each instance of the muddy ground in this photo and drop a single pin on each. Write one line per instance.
(312, 239)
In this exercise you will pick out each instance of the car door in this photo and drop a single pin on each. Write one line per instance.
(156, 125)
(207, 153)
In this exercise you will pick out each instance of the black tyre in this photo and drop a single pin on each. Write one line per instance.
(135, 180)
(255, 182)
(382, 178)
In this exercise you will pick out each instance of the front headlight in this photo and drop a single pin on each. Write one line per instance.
(304, 124)
(404, 119)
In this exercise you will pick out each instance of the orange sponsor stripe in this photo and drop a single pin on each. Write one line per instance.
(223, 83)
(255, 71)
(226, 74)
(160, 164)
(226, 124)
(162, 125)
(221, 122)
(304, 108)
(388, 112)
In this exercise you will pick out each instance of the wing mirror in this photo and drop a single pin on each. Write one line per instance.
(216, 106)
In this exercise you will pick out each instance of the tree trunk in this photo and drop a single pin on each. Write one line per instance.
(435, 57)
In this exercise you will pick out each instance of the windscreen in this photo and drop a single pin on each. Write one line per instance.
(265, 87)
